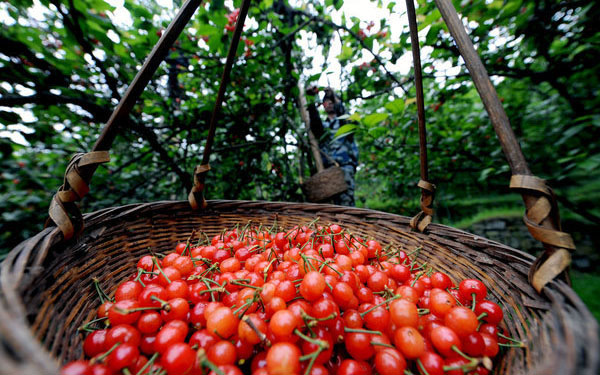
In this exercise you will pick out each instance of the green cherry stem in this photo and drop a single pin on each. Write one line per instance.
(155, 261)
(103, 356)
(101, 294)
(86, 327)
(164, 305)
(138, 277)
(362, 314)
(519, 345)
(313, 319)
(382, 344)
(325, 264)
(266, 271)
(358, 330)
(245, 306)
(473, 362)
(206, 362)
(420, 364)
(148, 364)
(511, 339)
(322, 345)
(417, 277)
(129, 311)
(246, 285)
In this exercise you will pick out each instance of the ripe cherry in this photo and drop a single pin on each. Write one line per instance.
(283, 358)
(389, 361)
(178, 358)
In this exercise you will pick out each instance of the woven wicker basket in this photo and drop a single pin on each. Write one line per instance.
(325, 184)
(46, 289)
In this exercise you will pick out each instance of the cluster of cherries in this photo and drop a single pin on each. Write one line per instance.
(230, 27)
(314, 300)
(232, 19)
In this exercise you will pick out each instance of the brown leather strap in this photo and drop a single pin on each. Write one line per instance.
(426, 185)
(421, 220)
(62, 207)
(196, 196)
(558, 244)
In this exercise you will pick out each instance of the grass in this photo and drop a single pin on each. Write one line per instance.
(501, 212)
(587, 286)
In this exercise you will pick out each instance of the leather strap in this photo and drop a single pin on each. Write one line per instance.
(196, 195)
(74, 188)
(421, 220)
(559, 245)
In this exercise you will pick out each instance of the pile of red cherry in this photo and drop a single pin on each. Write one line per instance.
(313, 300)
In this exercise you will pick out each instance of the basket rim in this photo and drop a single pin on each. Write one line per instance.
(122, 211)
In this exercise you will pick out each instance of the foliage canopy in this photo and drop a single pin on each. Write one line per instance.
(64, 65)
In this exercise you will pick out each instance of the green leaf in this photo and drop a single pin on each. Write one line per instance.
(496, 4)
(345, 130)
(217, 5)
(346, 53)
(378, 131)
(396, 106)
(511, 7)
(485, 173)
(570, 132)
(591, 164)
(354, 117)
(432, 34)
(432, 17)
(374, 119)
(314, 77)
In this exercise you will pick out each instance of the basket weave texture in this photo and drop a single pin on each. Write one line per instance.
(47, 290)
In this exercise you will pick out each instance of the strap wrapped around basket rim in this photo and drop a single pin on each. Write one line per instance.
(559, 244)
(62, 207)
(196, 195)
(421, 220)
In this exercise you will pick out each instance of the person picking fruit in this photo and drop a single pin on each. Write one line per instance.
(342, 150)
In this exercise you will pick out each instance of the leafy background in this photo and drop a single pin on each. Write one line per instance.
(64, 65)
